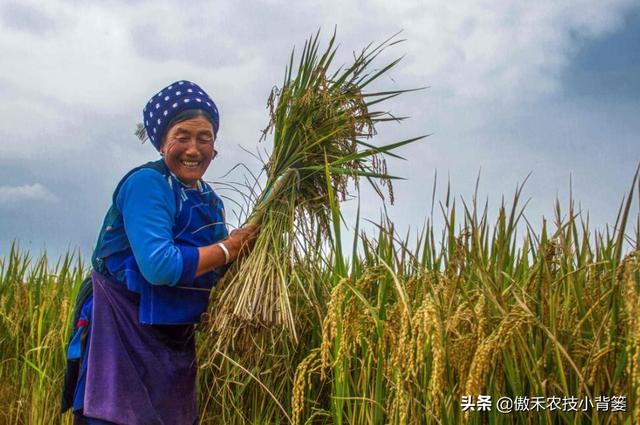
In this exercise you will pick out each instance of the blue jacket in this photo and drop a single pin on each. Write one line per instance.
(150, 238)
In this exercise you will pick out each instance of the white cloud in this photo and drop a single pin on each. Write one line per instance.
(13, 195)
(72, 93)
(97, 60)
(26, 18)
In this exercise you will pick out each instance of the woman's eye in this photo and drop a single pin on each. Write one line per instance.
(205, 140)
(183, 139)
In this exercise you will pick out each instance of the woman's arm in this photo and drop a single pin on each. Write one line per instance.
(213, 256)
(148, 208)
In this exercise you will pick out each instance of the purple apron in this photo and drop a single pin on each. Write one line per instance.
(137, 374)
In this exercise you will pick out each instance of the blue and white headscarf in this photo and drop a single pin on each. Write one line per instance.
(172, 100)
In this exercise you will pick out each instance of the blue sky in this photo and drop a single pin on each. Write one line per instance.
(608, 66)
(551, 89)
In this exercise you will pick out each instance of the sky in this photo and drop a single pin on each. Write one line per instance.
(547, 89)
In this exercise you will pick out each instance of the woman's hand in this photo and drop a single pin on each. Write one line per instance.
(242, 240)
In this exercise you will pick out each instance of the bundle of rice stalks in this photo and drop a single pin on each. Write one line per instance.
(320, 123)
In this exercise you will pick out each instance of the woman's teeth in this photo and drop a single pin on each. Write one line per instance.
(190, 163)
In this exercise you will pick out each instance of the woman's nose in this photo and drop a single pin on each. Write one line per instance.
(192, 146)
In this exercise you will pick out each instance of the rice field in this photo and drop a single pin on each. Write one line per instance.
(436, 332)
(478, 321)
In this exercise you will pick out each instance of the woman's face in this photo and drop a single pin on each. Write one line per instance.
(188, 149)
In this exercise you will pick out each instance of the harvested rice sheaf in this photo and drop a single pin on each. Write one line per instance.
(321, 123)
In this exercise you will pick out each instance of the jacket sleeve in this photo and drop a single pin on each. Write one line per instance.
(148, 208)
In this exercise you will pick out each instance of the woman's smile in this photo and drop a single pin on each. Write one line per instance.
(190, 163)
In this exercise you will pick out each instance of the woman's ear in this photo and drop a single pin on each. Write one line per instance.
(163, 146)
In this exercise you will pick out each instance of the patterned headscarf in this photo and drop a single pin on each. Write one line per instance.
(172, 100)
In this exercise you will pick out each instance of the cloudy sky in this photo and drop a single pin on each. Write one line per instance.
(548, 88)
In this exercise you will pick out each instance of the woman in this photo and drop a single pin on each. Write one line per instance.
(162, 247)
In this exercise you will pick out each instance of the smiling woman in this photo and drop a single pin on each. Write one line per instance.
(163, 246)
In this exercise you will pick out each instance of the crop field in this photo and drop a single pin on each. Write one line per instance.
(476, 321)
(390, 333)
